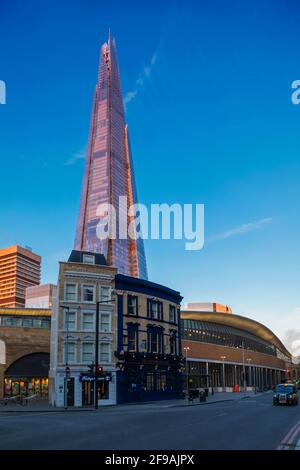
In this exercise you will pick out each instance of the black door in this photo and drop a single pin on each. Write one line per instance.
(70, 391)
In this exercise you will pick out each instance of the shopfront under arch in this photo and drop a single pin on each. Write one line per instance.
(28, 376)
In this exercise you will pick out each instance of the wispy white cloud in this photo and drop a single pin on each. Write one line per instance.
(244, 228)
(287, 327)
(144, 75)
(130, 95)
(153, 59)
(292, 335)
(79, 155)
(147, 71)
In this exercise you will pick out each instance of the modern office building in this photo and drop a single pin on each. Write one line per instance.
(24, 351)
(149, 342)
(19, 269)
(40, 296)
(84, 280)
(109, 175)
(231, 351)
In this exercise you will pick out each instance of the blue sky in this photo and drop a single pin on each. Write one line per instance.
(208, 87)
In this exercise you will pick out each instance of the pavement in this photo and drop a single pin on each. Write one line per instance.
(232, 422)
(43, 406)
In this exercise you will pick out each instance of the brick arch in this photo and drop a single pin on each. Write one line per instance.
(35, 364)
(25, 352)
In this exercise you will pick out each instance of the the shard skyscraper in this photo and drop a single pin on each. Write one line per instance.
(109, 172)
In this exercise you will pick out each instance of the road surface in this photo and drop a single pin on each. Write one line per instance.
(251, 423)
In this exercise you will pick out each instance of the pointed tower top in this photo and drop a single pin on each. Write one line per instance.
(109, 36)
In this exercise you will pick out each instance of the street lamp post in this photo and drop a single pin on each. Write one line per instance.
(186, 370)
(244, 370)
(249, 370)
(223, 372)
(96, 355)
(66, 307)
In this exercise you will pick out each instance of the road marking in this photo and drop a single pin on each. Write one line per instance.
(242, 400)
(19, 414)
(287, 441)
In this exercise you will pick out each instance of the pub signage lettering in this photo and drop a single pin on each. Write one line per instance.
(91, 378)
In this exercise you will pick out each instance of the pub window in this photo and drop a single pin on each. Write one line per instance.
(105, 294)
(149, 381)
(155, 310)
(70, 320)
(132, 305)
(105, 322)
(172, 344)
(88, 293)
(132, 339)
(172, 314)
(70, 352)
(87, 352)
(154, 342)
(104, 350)
(71, 292)
(161, 381)
(88, 259)
(88, 321)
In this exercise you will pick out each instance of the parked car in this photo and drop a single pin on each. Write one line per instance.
(285, 394)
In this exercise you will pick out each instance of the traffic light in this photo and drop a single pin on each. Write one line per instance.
(91, 368)
(100, 370)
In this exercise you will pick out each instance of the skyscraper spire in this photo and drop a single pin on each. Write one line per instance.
(109, 171)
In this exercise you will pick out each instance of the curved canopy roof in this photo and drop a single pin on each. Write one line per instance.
(238, 321)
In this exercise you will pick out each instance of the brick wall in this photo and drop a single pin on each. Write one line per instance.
(213, 352)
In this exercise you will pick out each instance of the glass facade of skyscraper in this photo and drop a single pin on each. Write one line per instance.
(109, 173)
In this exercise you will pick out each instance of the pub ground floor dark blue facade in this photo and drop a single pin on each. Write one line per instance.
(145, 379)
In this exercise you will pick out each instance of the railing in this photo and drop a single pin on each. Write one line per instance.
(17, 400)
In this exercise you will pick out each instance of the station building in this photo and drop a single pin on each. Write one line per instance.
(230, 352)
